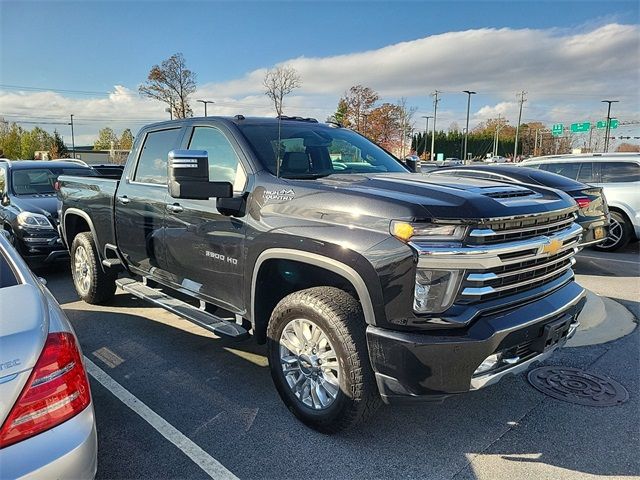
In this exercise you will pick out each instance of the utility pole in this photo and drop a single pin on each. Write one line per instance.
(496, 139)
(608, 130)
(435, 115)
(364, 127)
(535, 144)
(466, 134)
(73, 140)
(205, 105)
(515, 147)
(426, 132)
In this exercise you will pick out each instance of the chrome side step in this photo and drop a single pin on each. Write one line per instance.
(217, 325)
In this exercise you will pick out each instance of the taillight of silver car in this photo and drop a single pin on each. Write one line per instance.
(57, 390)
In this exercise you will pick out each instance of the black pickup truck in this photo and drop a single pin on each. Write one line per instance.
(365, 280)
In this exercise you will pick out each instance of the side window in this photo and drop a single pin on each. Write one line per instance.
(152, 165)
(224, 165)
(569, 169)
(619, 172)
(586, 173)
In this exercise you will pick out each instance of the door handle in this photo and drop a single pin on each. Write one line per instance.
(124, 199)
(174, 208)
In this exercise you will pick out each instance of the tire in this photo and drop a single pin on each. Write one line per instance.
(349, 377)
(92, 283)
(620, 233)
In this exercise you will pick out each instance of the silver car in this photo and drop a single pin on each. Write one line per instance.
(619, 176)
(48, 427)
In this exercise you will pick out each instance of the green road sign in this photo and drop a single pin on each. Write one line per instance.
(580, 127)
(557, 129)
(603, 123)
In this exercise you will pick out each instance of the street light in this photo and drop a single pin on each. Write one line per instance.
(466, 133)
(205, 105)
(426, 131)
(608, 130)
(73, 140)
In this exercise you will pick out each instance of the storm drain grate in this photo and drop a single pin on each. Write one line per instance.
(577, 386)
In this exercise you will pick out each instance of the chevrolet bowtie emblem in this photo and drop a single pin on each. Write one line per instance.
(552, 247)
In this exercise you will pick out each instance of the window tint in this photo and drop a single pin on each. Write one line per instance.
(152, 166)
(612, 172)
(586, 172)
(224, 165)
(569, 170)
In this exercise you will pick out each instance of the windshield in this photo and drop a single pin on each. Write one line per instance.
(37, 181)
(314, 150)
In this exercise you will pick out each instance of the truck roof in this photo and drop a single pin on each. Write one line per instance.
(237, 119)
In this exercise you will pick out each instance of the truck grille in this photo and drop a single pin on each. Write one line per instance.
(498, 231)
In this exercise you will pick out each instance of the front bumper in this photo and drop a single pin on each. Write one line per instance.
(68, 451)
(42, 246)
(434, 365)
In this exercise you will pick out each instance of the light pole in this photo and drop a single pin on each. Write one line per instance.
(426, 132)
(73, 140)
(205, 105)
(435, 117)
(608, 130)
(364, 127)
(466, 133)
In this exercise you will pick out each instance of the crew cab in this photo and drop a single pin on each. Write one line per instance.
(366, 281)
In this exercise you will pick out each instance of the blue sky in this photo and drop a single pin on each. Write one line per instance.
(95, 46)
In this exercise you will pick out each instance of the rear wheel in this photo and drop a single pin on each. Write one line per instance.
(92, 283)
(620, 232)
(319, 360)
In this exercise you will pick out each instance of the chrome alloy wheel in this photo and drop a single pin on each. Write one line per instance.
(309, 364)
(82, 275)
(615, 234)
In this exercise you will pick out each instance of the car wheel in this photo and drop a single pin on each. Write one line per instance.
(319, 359)
(619, 234)
(92, 283)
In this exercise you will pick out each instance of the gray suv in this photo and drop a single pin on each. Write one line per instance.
(619, 176)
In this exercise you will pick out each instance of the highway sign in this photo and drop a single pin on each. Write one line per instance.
(603, 123)
(557, 129)
(580, 127)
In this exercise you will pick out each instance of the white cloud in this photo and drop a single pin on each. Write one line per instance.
(565, 73)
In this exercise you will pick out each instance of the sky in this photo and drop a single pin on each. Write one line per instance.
(88, 58)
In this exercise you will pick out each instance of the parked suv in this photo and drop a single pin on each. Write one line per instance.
(619, 176)
(29, 206)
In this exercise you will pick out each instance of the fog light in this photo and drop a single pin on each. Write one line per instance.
(490, 362)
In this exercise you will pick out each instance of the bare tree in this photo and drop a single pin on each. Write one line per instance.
(171, 82)
(279, 83)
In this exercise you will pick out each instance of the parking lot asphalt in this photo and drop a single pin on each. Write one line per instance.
(219, 395)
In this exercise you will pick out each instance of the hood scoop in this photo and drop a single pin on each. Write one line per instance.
(507, 192)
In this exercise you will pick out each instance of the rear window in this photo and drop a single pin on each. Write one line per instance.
(619, 172)
(36, 181)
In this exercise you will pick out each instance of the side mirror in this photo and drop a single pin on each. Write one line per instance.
(189, 177)
(5, 201)
(412, 164)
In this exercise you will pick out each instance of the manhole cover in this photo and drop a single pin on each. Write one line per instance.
(577, 386)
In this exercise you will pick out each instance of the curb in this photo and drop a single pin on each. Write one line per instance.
(602, 320)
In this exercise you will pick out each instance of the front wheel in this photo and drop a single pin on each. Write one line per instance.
(620, 232)
(319, 360)
(92, 283)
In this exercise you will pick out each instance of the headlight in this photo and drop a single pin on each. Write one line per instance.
(426, 231)
(435, 290)
(34, 220)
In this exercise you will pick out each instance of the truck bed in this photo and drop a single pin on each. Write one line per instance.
(95, 198)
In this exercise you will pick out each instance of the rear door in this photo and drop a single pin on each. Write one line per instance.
(141, 202)
(205, 247)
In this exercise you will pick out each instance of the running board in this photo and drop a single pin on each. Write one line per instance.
(201, 318)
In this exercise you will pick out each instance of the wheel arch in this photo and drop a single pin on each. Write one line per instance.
(337, 271)
(76, 221)
(625, 213)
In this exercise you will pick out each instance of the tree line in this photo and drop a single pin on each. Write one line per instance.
(17, 142)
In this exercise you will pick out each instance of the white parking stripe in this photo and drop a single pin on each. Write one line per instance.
(206, 462)
(607, 259)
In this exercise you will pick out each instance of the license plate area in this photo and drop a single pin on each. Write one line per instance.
(552, 334)
(599, 233)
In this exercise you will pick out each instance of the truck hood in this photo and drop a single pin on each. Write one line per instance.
(46, 205)
(446, 197)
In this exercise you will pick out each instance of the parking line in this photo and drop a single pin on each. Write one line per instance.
(607, 259)
(206, 462)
